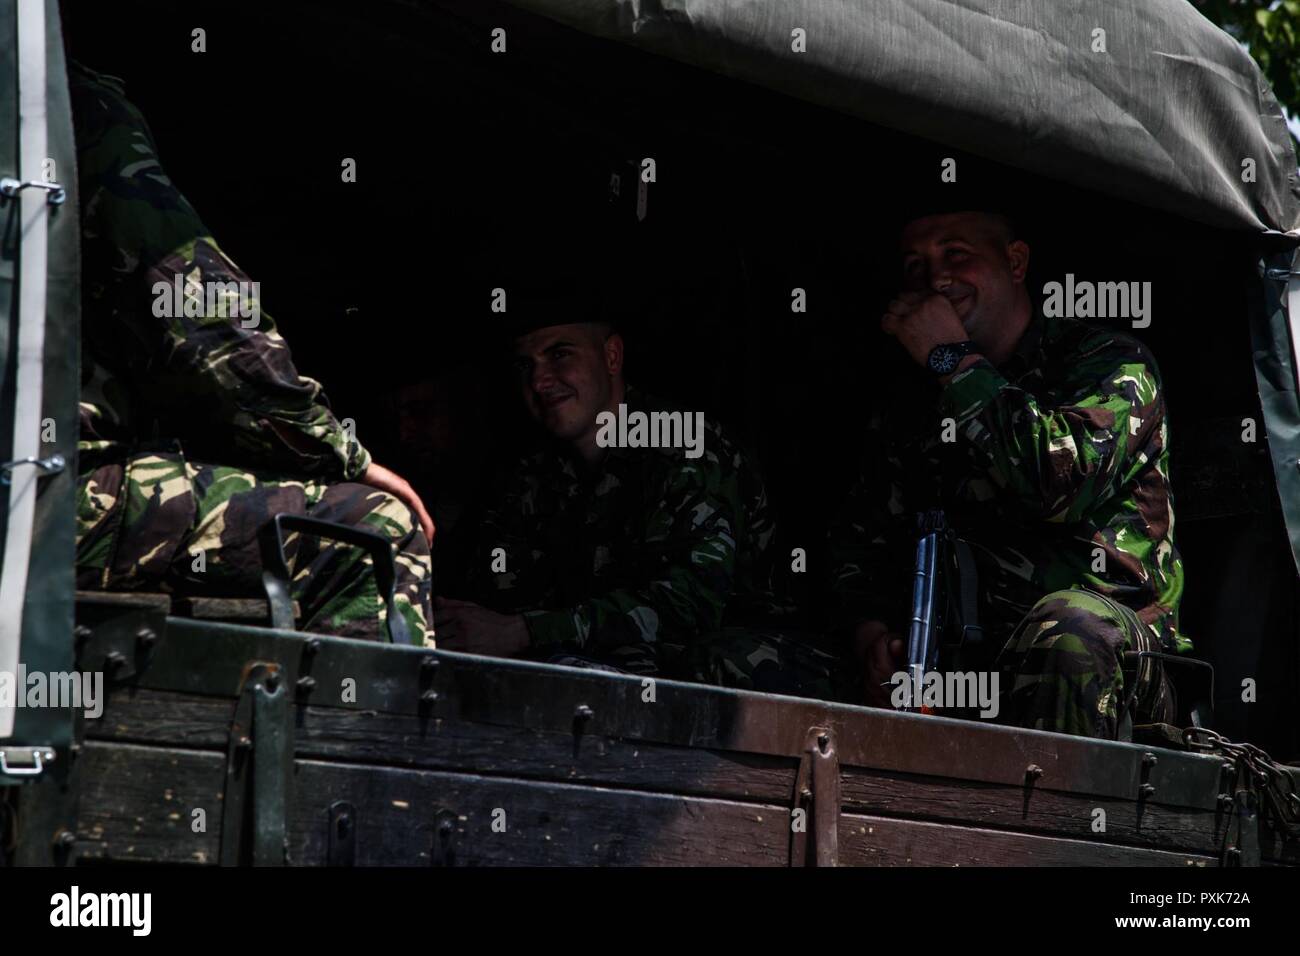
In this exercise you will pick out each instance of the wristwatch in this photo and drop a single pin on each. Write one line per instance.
(944, 359)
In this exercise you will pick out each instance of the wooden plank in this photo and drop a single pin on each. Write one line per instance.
(558, 824)
(256, 610)
(463, 746)
(123, 599)
(880, 841)
(187, 721)
(537, 823)
(138, 802)
(1037, 810)
(365, 736)
(203, 658)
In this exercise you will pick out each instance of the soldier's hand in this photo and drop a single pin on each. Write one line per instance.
(881, 654)
(380, 477)
(465, 626)
(920, 321)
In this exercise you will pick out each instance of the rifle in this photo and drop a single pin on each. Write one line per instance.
(929, 606)
(944, 589)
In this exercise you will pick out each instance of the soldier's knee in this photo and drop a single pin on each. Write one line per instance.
(1073, 603)
(1075, 624)
(393, 518)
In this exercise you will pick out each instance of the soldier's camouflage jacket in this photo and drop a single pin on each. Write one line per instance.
(222, 382)
(651, 549)
(1057, 474)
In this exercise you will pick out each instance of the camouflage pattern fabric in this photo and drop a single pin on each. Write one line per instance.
(1055, 471)
(223, 383)
(631, 564)
(204, 376)
(157, 521)
(1063, 670)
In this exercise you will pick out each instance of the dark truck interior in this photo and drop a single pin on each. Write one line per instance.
(467, 160)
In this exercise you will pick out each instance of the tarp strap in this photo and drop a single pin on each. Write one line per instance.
(33, 211)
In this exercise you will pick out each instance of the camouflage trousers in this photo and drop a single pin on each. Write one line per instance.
(1063, 669)
(158, 521)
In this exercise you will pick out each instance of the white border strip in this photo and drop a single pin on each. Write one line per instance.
(33, 213)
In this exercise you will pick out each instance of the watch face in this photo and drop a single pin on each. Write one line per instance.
(944, 359)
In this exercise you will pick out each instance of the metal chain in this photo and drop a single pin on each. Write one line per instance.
(1276, 788)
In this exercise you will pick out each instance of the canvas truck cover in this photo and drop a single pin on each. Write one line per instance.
(1165, 116)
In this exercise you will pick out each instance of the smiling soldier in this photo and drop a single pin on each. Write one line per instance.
(633, 555)
(1044, 441)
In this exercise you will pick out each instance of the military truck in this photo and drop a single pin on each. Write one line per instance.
(783, 136)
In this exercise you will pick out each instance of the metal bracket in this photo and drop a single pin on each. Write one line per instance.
(443, 852)
(1244, 850)
(259, 771)
(818, 783)
(51, 466)
(55, 193)
(343, 835)
(39, 756)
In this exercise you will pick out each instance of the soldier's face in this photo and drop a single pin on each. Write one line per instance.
(567, 375)
(970, 258)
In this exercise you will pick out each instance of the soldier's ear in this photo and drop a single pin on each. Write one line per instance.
(613, 353)
(1018, 258)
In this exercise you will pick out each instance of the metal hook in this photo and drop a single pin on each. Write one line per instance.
(51, 466)
(55, 193)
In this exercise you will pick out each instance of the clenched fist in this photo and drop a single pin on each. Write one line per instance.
(920, 321)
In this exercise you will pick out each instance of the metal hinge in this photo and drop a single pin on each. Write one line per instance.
(815, 841)
(10, 187)
(39, 757)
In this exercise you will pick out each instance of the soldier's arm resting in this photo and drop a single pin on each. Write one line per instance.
(1059, 462)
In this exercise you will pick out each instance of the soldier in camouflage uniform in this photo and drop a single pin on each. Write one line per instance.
(641, 560)
(1055, 470)
(196, 428)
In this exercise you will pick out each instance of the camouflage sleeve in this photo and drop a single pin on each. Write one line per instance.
(1060, 462)
(224, 373)
(689, 554)
(870, 544)
(505, 579)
